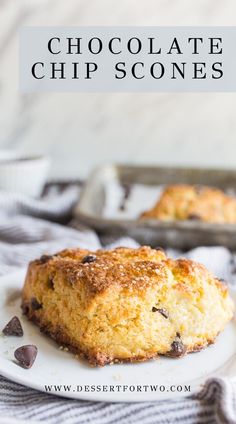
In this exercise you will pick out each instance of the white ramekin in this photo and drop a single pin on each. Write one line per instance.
(23, 174)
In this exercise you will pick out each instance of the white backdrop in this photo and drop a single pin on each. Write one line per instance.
(80, 131)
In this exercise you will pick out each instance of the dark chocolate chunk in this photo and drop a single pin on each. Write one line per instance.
(194, 217)
(26, 355)
(177, 349)
(45, 258)
(35, 305)
(161, 311)
(88, 259)
(13, 328)
(51, 283)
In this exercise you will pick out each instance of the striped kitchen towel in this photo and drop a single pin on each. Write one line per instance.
(24, 235)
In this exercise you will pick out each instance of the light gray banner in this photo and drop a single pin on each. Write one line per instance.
(128, 59)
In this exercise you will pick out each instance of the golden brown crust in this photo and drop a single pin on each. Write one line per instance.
(189, 202)
(124, 266)
(125, 304)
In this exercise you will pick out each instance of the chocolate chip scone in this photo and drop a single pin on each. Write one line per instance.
(183, 202)
(125, 304)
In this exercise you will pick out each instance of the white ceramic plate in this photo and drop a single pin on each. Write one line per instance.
(56, 367)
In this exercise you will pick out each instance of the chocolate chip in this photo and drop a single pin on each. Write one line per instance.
(45, 258)
(25, 309)
(35, 305)
(177, 348)
(13, 328)
(51, 283)
(26, 355)
(194, 217)
(161, 311)
(88, 259)
(178, 335)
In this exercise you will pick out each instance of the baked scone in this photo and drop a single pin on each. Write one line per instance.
(125, 304)
(183, 202)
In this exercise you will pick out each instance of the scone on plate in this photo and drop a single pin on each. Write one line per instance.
(183, 202)
(125, 304)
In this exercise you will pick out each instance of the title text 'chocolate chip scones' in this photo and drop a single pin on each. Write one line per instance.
(182, 202)
(125, 304)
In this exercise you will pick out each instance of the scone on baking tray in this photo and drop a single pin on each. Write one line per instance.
(183, 202)
(125, 304)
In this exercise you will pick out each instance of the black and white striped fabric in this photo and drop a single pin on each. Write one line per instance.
(215, 404)
(24, 235)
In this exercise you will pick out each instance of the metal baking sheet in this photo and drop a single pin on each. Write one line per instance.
(92, 210)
